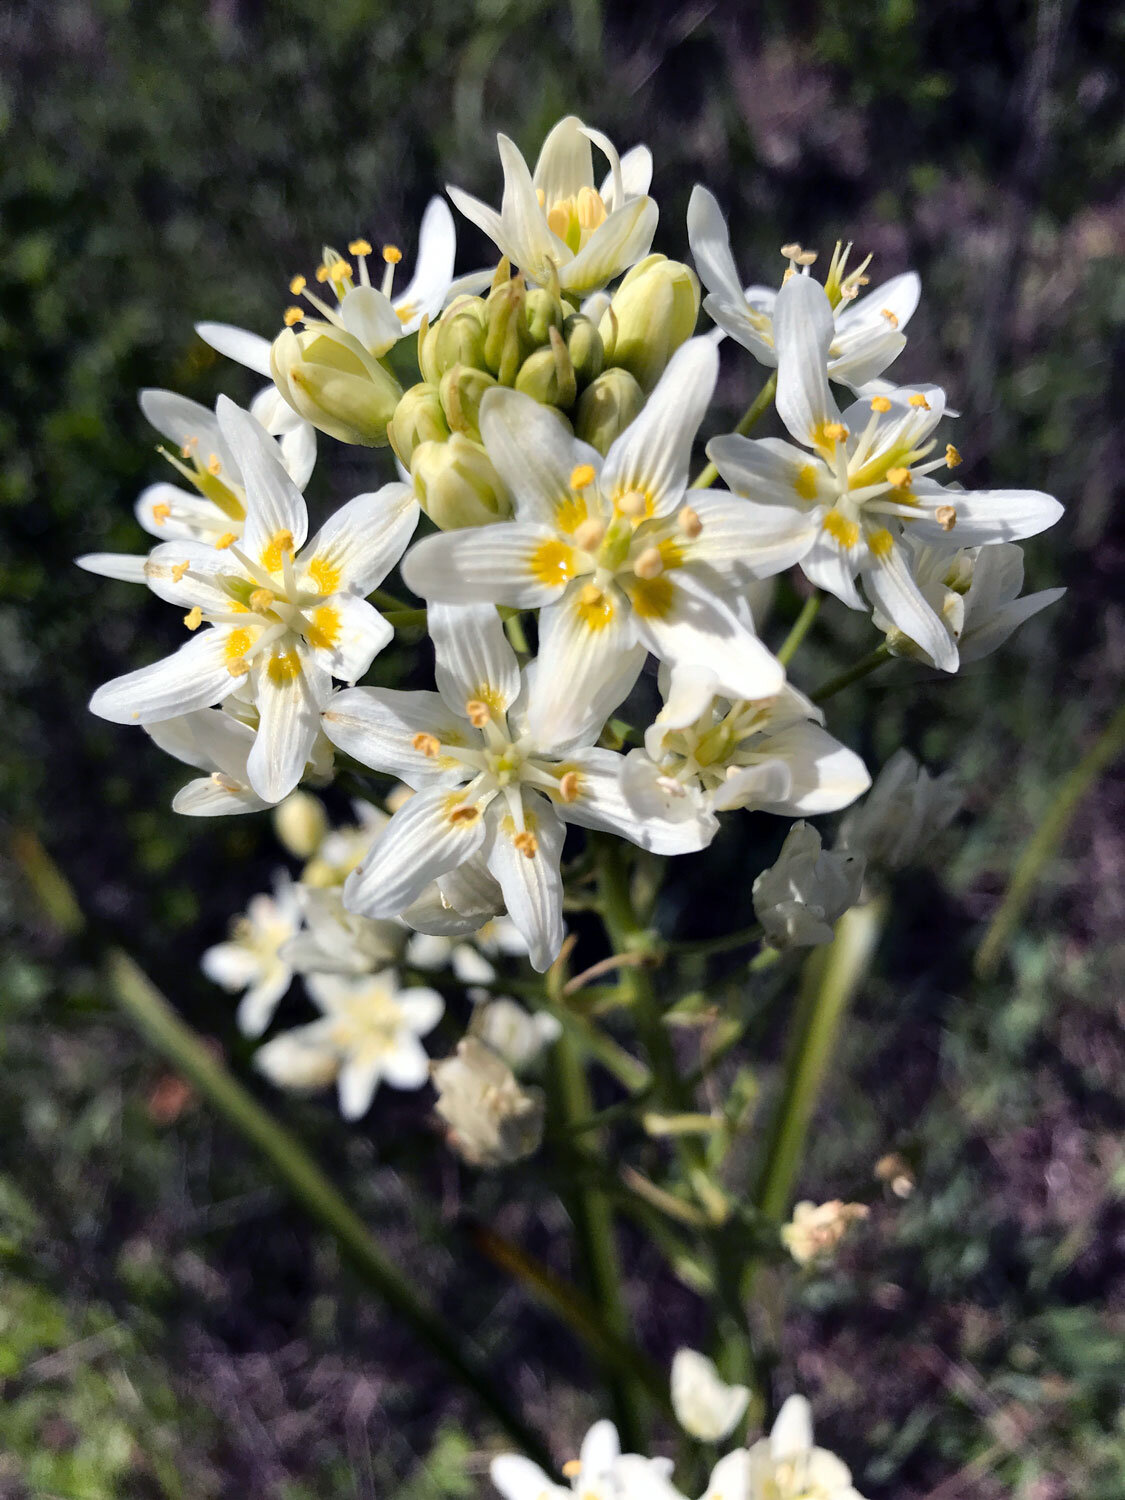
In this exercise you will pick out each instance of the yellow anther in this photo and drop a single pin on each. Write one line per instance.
(806, 258)
(188, 447)
(161, 512)
(359, 247)
(527, 844)
(214, 465)
(590, 595)
(391, 254)
(178, 571)
(297, 286)
(880, 403)
(464, 812)
(340, 270)
(835, 432)
(952, 456)
(946, 517)
(227, 539)
(918, 399)
(650, 564)
(572, 1468)
(322, 273)
(891, 317)
(261, 599)
(238, 667)
(863, 280)
(292, 315)
(479, 713)
(194, 618)
(687, 519)
(581, 476)
(632, 503)
(900, 478)
(791, 250)
(568, 786)
(589, 534)
(427, 744)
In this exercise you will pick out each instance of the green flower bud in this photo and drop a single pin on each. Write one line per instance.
(506, 342)
(462, 391)
(652, 313)
(548, 374)
(585, 347)
(418, 418)
(544, 311)
(331, 380)
(606, 407)
(456, 484)
(457, 338)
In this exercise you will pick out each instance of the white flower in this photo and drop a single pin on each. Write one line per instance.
(374, 316)
(799, 899)
(489, 784)
(556, 225)
(902, 814)
(601, 1472)
(974, 592)
(618, 555)
(282, 619)
(816, 1229)
(705, 1406)
(341, 849)
(864, 487)
(868, 332)
(492, 1120)
(369, 1034)
(708, 751)
(784, 1466)
(252, 960)
(333, 940)
(296, 437)
(215, 742)
(515, 1034)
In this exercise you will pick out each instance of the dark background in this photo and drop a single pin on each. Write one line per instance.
(169, 1325)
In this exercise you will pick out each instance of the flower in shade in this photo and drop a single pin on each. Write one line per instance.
(800, 898)
(554, 224)
(600, 1472)
(866, 482)
(617, 554)
(784, 1466)
(489, 784)
(705, 1406)
(281, 618)
(902, 814)
(868, 333)
(369, 1033)
(251, 960)
(492, 1120)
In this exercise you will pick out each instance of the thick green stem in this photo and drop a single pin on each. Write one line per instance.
(756, 410)
(862, 668)
(801, 627)
(1046, 840)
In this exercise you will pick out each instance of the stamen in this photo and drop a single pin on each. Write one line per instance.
(178, 571)
(806, 258)
(632, 503)
(892, 318)
(946, 517)
(899, 478)
(590, 595)
(527, 844)
(261, 599)
(650, 564)
(194, 618)
(919, 400)
(161, 512)
(479, 713)
(835, 432)
(297, 286)
(340, 270)
(568, 786)
(292, 315)
(239, 667)
(589, 534)
(359, 247)
(466, 812)
(880, 403)
(582, 475)
(322, 273)
(427, 744)
(391, 254)
(791, 250)
(227, 539)
(572, 1468)
(952, 457)
(687, 519)
(214, 465)
(188, 447)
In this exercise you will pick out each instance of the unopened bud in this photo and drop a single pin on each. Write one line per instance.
(456, 484)
(492, 1120)
(585, 347)
(507, 342)
(606, 407)
(457, 338)
(300, 823)
(653, 312)
(418, 418)
(462, 390)
(548, 375)
(543, 311)
(331, 380)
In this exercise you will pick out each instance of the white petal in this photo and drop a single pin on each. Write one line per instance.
(636, 176)
(588, 661)
(533, 453)
(473, 658)
(274, 504)
(230, 965)
(652, 455)
(791, 1434)
(222, 741)
(484, 217)
(349, 634)
(803, 329)
(731, 1478)
(419, 843)
(987, 515)
(889, 584)
(565, 163)
(184, 421)
(697, 627)
(356, 1085)
(619, 241)
(709, 239)
(378, 726)
(517, 1478)
(421, 1009)
(705, 1406)
(653, 795)
(176, 737)
(743, 541)
(125, 567)
(190, 515)
(360, 543)
(208, 798)
(532, 886)
(771, 471)
(256, 1008)
(509, 563)
(290, 690)
(527, 238)
(829, 566)
(826, 775)
(601, 802)
(193, 677)
(433, 271)
(246, 348)
(203, 582)
(298, 451)
(407, 1067)
(980, 641)
(293, 1062)
(369, 317)
(764, 786)
(600, 1451)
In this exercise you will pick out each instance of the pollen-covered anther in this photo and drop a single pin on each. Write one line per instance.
(687, 519)
(568, 786)
(952, 456)
(297, 286)
(946, 517)
(650, 564)
(227, 539)
(238, 666)
(359, 247)
(527, 844)
(806, 258)
(591, 594)
(391, 254)
(464, 812)
(214, 465)
(427, 744)
(479, 713)
(632, 504)
(835, 432)
(791, 250)
(178, 571)
(572, 1468)
(322, 273)
(188, 447)
(261, 599)
(900, 478)
(161, 512)
(291, 316)
(225, 782)
(880, 404)
(589, 534)
(891, 317)
(194, 618)
(918, 399)
(582, 476)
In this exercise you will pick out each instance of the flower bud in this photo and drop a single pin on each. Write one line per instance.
(652, 313)
(543, 311)
(300, 823)
(418, 418)
(491, 1119)
(606, 407)
(331, 380)
(457, 338)
(456, 484)
(585, 347)
(462, 390)
(800, 898)
(506, 342)
(548, 375)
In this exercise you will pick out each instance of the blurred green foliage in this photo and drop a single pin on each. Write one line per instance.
(167, 1326)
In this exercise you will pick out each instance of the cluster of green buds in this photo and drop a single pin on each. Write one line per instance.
(594, 374)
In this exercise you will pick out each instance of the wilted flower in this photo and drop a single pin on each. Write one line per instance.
(784, 1466)
(799, 899)
(902, 814)
(491, 1118)
(252, 959)
(817, 1229)
(705, 1406)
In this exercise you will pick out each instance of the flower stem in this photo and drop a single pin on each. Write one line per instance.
(862, 668)
(1045, 841)
(801, 627)
(756, 410)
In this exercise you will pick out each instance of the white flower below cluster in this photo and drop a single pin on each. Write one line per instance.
(252, 960)
(515, 1034)
(802, 896)
(902, 814)
(492, 1119)
(705, 1406)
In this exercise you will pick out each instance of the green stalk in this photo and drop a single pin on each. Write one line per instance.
(862, 668)
(801, 627)
(1045, 841)
(753, 413)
